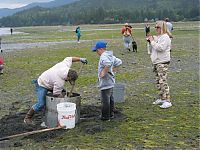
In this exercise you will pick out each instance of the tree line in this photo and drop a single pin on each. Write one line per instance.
(104, 11)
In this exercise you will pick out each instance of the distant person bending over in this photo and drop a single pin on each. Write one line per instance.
(160, 56)
(53, 80)
(78, 34)
(127, 36)
(106, 80)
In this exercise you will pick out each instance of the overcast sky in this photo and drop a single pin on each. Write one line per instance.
(18, 3)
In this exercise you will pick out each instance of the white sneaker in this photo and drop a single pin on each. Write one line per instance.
(159, 101)
(166, 104)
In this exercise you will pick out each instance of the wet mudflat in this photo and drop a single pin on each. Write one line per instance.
(13, 125)
(137, 125)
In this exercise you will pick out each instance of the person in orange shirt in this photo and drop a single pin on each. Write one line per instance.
(127, 36)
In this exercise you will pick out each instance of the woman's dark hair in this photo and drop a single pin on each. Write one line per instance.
(72, 74)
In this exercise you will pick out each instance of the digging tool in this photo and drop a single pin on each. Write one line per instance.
(70, 93)
(30, 133)
(80, 69)
(73, 85)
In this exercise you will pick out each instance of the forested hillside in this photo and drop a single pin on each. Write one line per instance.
(106, 11)
(4, 12)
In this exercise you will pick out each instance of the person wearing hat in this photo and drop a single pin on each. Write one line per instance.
(106, 80)
(53, 80)
(127, 36)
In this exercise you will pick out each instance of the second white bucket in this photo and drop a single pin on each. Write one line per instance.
(66, 114)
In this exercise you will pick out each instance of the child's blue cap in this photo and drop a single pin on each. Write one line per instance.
(99, 44)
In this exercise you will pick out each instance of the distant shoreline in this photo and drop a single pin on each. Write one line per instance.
(6, 31)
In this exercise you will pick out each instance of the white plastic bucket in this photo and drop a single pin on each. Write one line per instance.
(66, 114)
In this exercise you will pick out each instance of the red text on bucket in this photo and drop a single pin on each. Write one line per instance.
(68, 117)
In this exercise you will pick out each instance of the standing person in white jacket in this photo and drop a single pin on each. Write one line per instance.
(169, 25)
(53, 79)
(160, 46)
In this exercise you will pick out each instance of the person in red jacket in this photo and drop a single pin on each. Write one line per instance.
(126, 31)
(1, 65)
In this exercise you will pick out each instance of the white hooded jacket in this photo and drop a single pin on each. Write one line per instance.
(54, 78)
(160, 49)
(107, 59)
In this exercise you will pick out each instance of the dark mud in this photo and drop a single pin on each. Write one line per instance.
(91, 112)
(13, 124)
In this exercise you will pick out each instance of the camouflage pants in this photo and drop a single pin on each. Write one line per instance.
(161, 71)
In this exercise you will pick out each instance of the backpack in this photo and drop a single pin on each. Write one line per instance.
(76, 30)
(127, 32)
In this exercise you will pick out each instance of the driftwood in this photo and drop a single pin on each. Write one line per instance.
(31, 132)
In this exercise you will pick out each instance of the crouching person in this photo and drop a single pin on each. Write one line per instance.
(106, 80)
(53, 79)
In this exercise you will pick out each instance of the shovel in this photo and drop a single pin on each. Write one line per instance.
(73, 85)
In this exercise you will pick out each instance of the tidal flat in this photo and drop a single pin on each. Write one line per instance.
(138, 123)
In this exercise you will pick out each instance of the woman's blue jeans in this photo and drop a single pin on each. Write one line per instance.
(41, 96)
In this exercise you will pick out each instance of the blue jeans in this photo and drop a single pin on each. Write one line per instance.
(41, 96)
(128, 41)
